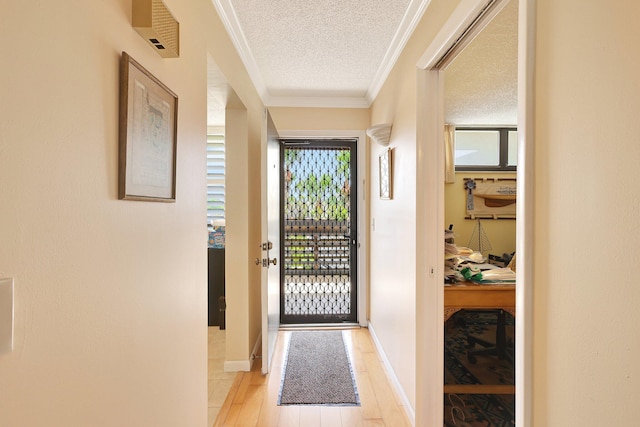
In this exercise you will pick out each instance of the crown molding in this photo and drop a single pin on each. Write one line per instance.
(409, 22)
(230, 20)
(461, 18)
(317, 101)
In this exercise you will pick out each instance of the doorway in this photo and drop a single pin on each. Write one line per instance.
(430, 176)
(319, 217)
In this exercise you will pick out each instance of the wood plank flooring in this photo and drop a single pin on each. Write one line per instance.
(252, 398)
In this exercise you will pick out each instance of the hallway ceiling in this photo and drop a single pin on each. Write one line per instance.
(338, 53)
(322, 52)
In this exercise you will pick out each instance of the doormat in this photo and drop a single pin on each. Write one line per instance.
(317, 371)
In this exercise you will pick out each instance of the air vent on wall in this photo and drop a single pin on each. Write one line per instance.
(154, 22)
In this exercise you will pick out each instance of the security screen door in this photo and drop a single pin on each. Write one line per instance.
(318, 231)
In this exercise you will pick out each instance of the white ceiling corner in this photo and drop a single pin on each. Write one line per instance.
(230, 21)
(409, 22)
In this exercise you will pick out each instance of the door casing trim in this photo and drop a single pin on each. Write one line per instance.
(363, 211)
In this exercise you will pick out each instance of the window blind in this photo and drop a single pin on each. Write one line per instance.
(215, 177)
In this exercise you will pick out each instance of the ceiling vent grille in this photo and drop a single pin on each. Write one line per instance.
(154, 22)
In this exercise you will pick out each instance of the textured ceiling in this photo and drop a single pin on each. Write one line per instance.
(322, 52)
(337, 53)
(481, 84)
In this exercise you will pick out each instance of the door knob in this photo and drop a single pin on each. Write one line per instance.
(266, 261)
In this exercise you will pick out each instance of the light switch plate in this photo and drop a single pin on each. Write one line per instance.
(6, 315)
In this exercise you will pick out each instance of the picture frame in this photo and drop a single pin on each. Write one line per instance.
(385, 168)
(147, 135)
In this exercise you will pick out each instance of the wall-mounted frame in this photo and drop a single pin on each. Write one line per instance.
(385, 168)
(148, 135)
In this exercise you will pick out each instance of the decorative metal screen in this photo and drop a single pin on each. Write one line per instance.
(318, 256)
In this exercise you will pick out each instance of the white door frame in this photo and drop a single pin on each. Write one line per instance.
(270, 216)
(430, 221)
(363, 231)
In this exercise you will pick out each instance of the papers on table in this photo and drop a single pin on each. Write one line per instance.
(494, 275)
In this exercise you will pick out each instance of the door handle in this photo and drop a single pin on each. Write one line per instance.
(351, 239)
(267, 261)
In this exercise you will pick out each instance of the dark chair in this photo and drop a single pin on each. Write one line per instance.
(497, 348)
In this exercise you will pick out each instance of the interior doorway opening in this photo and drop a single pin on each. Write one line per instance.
(430, 178)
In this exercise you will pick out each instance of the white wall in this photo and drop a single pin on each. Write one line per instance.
(110, 295)
(587, 232)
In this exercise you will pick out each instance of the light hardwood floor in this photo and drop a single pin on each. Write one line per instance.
(252, 398)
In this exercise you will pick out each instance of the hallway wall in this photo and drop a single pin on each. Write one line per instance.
(110, 295)
(587, 231)
(393, 238)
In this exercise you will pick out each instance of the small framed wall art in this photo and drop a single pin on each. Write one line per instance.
(148, 135)
(385, 168)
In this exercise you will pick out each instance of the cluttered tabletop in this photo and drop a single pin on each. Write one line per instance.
(473, 281)
(464, 266)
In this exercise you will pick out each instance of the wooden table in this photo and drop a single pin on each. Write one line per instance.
(468, 295)
(475, 296)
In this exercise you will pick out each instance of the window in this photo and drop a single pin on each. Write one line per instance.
(215, 177)
(486, 149)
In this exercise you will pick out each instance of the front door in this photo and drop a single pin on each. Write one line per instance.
(270, 240)
(318, 231)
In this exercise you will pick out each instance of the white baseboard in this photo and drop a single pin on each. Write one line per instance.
(395, 383)
(244, 365)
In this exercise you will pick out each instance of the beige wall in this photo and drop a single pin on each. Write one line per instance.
(242, 281)
(393, 241)
(501, 232)
(586, 346)
(289, 118)
(236, 272)
(110, 296)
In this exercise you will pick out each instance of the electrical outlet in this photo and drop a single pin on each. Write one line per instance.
(6, 315)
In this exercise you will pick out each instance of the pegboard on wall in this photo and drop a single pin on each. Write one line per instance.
(493, 198)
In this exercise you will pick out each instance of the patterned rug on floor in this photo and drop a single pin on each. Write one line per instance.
(318, 371)
(477, 410)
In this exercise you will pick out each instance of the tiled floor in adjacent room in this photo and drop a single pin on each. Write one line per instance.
(218, 380)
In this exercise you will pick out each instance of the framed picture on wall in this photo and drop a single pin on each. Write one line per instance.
(148, 135)
(385, 167)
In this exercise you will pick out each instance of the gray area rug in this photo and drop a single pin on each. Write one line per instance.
(317, 371)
